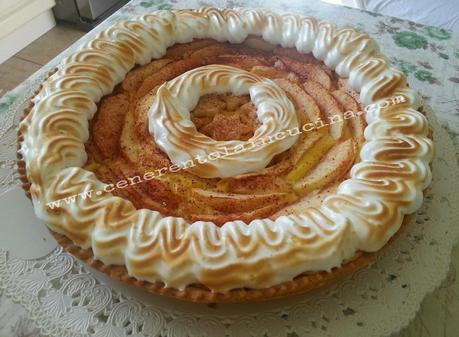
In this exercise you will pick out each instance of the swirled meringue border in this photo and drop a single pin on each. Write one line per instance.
(365, 212)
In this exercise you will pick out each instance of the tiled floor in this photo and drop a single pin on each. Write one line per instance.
(16, 69)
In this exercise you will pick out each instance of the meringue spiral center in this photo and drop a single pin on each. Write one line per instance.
(171, 126)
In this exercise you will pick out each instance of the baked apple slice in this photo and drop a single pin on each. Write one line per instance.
(272, 73)
(234, 203)
(219, 218)
(168, 72)
(245, 62)
(257, 42)
(108, 123)
(332, 167)
(357, 122)
(300, 149)
(312, 72)
(181, 50)
(280, 168)
(312, 154)
(305, 105)
(293, 53)
(135, 77)
(212, 50)
(274, 170)
(257, 185)
(328, 106)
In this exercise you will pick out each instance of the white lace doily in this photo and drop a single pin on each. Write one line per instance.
(65, 298)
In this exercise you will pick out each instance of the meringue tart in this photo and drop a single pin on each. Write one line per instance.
(225, 155)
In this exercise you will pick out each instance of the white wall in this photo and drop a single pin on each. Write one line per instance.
(21, 22)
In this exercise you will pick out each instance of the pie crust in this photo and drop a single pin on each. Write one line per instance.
(200, 261)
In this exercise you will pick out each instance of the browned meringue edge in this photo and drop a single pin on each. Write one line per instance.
(363, 215)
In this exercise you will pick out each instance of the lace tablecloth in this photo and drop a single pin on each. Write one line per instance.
(430, 58)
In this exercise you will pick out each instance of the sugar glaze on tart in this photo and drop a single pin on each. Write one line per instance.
(360, 214)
